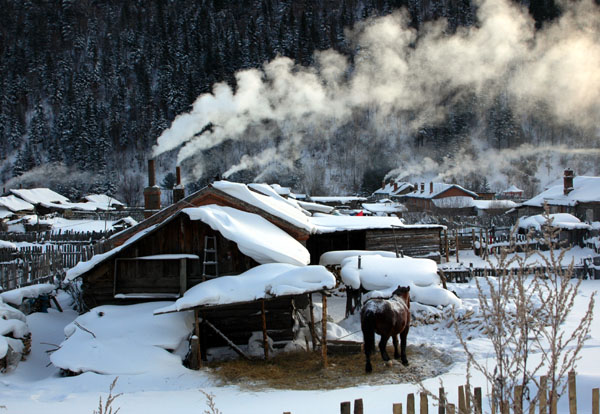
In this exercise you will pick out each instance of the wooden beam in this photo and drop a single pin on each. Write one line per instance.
(264, 328)
(197, 333)
(182, 276)
(324, 330)
(313, 332)
(229, 342)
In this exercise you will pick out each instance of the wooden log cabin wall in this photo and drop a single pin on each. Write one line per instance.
(412, 241)
(125, 275)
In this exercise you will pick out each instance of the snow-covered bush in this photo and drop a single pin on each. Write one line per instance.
(15, 337)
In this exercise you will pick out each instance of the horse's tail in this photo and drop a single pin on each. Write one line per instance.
(368, 329)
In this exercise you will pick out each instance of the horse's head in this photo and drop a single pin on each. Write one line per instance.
(402, 292)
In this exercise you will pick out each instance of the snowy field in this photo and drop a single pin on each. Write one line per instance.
(161, 384)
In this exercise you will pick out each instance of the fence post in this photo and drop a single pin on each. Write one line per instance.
(462, 405)
(358, 406)
(397, 408)
(572, 393)
(345, 407)
(410, 404)
(451, 408)
(442, 401)
(518, 399)
(424, 406)
(477, 403)
(595, 401)
(543, 395)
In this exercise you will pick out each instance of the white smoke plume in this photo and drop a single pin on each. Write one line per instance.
(399, 71)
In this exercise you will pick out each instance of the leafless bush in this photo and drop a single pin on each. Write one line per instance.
(107, 408)
(210, 401)
(523, 312)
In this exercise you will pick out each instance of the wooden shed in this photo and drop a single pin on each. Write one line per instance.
(412, 240)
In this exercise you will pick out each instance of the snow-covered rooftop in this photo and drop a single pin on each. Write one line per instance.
(561, 220)
(102, 201)
(15, 204)
(40, 196)
(330, 224)
(277, 207)
(438, 188)
(494, 204)
(585, 190)
(337, 199)
(512, 189)
(261, 282)
(255, 236)
(384, 208)
(393, 188)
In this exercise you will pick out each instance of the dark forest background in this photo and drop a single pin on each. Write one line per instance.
(87, 86)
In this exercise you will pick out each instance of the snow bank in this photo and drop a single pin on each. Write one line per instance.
(268, 280)
(561, 220)
(382, 275)
(255, 236)
(16, 296)
(13, 324)
(336, 257)
(123, 340)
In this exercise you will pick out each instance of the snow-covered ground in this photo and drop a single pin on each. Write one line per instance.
(165, 386)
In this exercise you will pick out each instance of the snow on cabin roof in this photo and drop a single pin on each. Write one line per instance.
(40, 196)
(512, 189)
(255, 236)
(561, 220)
(387, 208)
(4, 213)
(103, 200)
(494, 204)
(315, 207)
(271, 205)
(15, 204)
(389, 188)
(7, 245)
(261, 282)
(585, 190)
(337, 199)
(336, 257)
(269, 191)
(382, 275)
(454, 202)
(330, 224)
(438, 188)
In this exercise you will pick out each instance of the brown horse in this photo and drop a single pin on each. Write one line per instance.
(386, 317)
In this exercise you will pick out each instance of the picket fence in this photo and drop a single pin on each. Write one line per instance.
(471, 402)
(40, 264)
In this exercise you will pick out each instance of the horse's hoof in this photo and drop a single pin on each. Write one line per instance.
(405, 363)
(388, 363)
(368, 369)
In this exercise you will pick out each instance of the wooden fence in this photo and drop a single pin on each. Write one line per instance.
(55, 237)
(471, 402)
(40, 264)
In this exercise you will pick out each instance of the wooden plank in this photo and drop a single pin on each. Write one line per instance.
(264, 329)
(410, 403)
(229, 342)
(424, 404)
(518, 399)
(595, 401)
(542, 395)
(572, 393)
(477, 404)
(197, 333)
(324, 331)
(441, 401)
(358, 406)
(345, 407)
(397, 408)
(462, 404)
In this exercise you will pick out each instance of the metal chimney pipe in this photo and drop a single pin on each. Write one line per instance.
(151, 174)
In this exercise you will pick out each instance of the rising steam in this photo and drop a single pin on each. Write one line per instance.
(396, 71)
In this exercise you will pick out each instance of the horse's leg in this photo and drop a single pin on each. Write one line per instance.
(395, 342)
(403, 335)
(382, 345)
(369, 344)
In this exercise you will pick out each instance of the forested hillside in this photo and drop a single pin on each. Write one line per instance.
(89, 86)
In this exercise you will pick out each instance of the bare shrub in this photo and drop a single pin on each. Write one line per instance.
(107, 408)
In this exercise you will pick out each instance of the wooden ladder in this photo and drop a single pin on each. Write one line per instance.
(210, 257)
